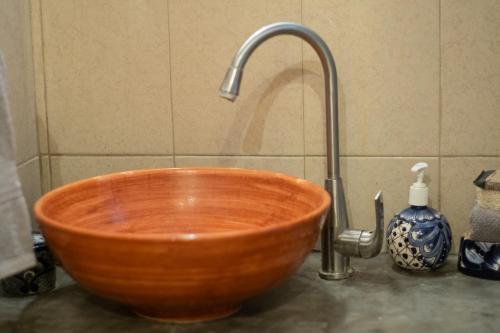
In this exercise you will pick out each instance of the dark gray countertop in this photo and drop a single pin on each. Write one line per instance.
(379, 298)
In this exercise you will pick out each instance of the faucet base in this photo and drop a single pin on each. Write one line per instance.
(336, 276)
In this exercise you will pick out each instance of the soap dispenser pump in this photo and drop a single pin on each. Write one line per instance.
(419, 237)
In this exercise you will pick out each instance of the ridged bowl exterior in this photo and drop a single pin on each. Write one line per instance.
(182, 244)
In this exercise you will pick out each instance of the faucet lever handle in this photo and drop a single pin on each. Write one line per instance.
(379, 212)
(370, 242)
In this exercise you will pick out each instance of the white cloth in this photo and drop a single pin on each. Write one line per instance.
(484, 224)
(16, 250)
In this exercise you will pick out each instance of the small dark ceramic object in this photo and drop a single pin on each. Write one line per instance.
(36, 280)
(479, 259)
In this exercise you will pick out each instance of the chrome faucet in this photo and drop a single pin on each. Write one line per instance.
(338, 242)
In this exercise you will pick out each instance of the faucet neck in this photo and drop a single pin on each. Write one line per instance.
(329, 73)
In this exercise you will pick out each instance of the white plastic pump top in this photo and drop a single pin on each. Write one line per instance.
(419, 192)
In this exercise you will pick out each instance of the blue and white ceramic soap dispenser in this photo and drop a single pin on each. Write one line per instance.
(419, 237)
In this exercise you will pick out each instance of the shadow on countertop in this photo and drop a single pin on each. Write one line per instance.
(378, 298)
(72, 309)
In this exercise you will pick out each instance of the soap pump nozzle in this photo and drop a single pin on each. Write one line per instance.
(419, 192)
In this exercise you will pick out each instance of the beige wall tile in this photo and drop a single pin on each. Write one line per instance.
(107, 68)
(293, 166)
(387, 55)
(457, 190)
(39, 76)
(471, 77)
(15, 45)
(364, 176)
(267, 117)
(29, 175)
(66, 169)
(107, 76)
(45, 172)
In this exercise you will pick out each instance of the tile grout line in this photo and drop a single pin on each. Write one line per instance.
(42, 43)
(303, 92)
(28, 161)
(171, 83)
(37, 127)
(263, 156)
(440, 102)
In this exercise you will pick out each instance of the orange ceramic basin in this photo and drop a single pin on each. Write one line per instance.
(182, 244)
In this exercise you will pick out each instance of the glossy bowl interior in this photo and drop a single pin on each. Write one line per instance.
(182, 244)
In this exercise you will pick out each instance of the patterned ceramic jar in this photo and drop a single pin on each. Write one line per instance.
(419, 238)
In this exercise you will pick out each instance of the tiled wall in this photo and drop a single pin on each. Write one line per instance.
(15, 45)
(125, 84)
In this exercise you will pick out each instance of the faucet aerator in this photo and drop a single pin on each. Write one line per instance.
(231, 83)
(227, 95)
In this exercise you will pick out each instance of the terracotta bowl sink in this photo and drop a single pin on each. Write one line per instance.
(182, 244)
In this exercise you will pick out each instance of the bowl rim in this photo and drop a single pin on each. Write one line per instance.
(44, 219)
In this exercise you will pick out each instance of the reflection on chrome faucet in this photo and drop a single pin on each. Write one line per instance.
(338, 242)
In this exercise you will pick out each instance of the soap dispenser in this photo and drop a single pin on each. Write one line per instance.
(419, 237)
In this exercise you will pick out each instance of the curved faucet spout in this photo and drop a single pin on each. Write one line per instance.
(338, 242)
(230, 87)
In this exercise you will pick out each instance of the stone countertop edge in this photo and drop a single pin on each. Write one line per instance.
(380, 297)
